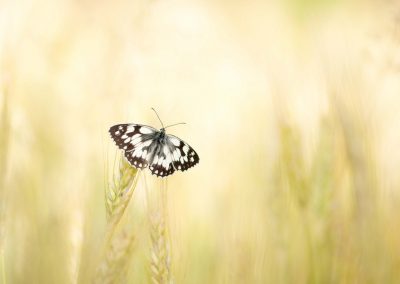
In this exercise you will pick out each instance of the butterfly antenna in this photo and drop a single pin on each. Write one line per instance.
(158, 117)
(175, 124)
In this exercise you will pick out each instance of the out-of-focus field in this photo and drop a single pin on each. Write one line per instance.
(293, 107)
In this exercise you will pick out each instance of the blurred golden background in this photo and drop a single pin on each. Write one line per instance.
(293, 107)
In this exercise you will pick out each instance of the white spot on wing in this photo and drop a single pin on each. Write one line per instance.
(130, 129)
(147, 143)
(136, 140)
(165, 164)
(145, 130)
(175, 141)
(176, 155)
(166, 150)
(138, 152)
(185, 148)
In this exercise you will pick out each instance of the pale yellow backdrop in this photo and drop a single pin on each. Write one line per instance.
(293, 107)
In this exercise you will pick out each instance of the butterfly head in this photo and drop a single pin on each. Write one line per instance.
(162, 132)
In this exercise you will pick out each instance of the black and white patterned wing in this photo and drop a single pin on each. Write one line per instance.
(183, 156)
(137, 141)
(161, 162)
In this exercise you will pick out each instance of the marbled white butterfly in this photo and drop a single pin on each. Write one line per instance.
(145, 146)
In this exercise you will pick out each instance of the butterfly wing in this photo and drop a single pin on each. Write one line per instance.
(161, 162)
(137, 141)
(142, 148)
(182, 154)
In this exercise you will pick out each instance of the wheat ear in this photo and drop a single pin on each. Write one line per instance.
(114, 264)
(119, 193)
(117, 248)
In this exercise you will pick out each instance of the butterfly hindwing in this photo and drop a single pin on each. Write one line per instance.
(139, 156)
(161, 163)
(183, 156)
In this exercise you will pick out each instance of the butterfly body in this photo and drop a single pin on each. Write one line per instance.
(145, 146)
(161, 136)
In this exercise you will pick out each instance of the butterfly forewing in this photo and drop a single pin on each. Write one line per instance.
(183, 156)
(127, 136)
(136, 140)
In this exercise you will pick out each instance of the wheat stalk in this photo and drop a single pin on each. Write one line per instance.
(117, 248)
(160, 254)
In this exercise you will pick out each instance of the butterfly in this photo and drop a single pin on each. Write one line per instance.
(145, 146)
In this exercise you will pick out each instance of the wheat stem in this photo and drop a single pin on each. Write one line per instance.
(117, 248)
(160, 253)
